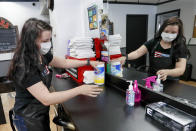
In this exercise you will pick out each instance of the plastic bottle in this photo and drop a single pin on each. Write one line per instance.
(130, 95)
(137, 92)
(157, 85)
(149, 80)
(116, 68)
(99, 75)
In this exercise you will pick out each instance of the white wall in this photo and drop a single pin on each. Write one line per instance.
(187, 14)
(118, 12)
(69, 19)
(18, 12)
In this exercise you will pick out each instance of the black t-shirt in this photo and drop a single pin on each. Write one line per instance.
(23, 97)
(160, 51)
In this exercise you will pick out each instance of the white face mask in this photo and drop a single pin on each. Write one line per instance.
(45, 47)
(168, 37)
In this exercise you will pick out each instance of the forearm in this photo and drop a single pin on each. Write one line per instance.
(137, 53)
(179, 68)
(75, 63)
(60, 97)
(41, 93)
(175, 72)
(67, 63)
(133, 55)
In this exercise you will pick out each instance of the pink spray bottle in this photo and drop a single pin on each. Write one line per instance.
(137, 92)
(148, 80)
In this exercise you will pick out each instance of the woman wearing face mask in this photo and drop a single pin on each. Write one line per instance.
(167, 51)
(30, 73)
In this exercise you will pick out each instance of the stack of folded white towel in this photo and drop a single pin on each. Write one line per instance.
(114, 44)
(81, 47)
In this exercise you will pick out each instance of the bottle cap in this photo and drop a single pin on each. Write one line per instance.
(130, 85)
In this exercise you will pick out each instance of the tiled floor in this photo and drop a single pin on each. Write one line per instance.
(8, 102)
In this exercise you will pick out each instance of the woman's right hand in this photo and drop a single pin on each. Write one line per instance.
(122, 60)
(89, 90)
(94, 64)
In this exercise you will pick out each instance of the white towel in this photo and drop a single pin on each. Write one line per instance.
(85, 56)
(115, 37)
(88, 77)
(81, 47)
(80, 44)
(114, 50)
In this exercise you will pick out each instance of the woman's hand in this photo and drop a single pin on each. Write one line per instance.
(121, 60)
(163, 74)
(95, 63)
(89, 90)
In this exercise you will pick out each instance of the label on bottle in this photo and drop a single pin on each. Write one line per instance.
(130, 97)
(99, 75)
(104, 56)
(158, 87)
(116, 69)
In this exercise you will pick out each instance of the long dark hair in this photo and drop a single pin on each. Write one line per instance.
(179, 43)
(27, 55)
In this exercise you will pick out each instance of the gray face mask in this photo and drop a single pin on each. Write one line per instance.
(168, 37)
(45, 47)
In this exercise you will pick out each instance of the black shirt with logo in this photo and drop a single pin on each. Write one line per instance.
(23, 97)
(160, 51)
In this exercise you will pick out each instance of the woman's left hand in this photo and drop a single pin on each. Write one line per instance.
(163, 74)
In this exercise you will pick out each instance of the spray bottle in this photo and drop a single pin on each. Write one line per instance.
(137, 92)
(130, 95)
(148, 80)
(157, 85)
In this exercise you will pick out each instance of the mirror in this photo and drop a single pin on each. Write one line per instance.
(137, 21)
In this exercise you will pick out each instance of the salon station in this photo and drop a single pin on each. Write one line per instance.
(138, 92)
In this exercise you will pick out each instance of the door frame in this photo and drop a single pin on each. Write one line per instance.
(162, 13)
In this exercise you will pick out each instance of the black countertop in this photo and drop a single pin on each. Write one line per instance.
(107, 112)
(177, 94)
